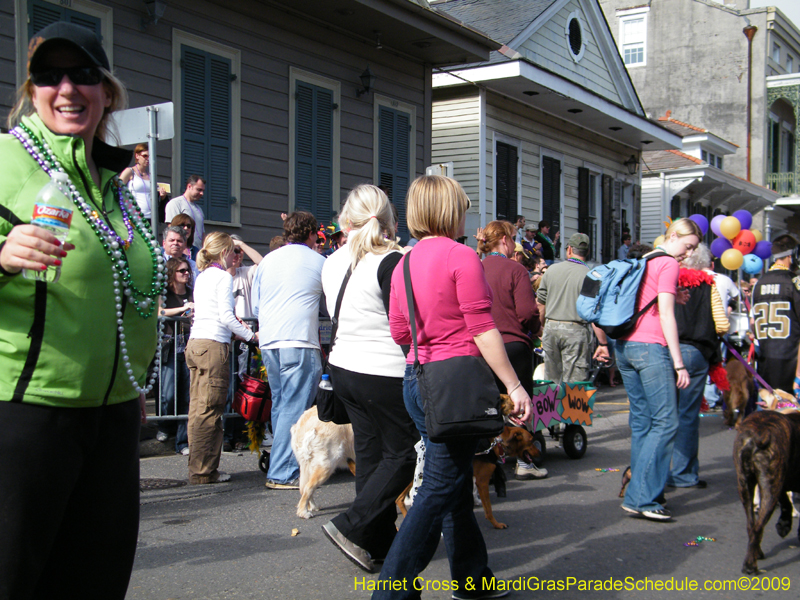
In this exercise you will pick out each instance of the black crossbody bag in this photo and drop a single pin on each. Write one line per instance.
(459, 394)
(330, 407)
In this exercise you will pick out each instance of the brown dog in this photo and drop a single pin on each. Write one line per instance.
(513, 442)
(767, 453)
(736, 398)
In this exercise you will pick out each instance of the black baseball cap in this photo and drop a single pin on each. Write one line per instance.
(81, 38)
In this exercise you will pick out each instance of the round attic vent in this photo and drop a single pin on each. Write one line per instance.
(574, 36)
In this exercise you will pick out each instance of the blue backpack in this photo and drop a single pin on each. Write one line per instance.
(609, 292)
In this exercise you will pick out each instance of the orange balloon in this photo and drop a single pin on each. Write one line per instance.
(732, 259)
(730, 227)
(745, 242)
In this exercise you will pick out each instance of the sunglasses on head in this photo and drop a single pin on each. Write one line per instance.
(183, 270)
(77, 75)
(237, 250)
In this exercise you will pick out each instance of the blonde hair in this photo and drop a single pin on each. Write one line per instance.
(23, 106)
(684, 227)
(493, 234)
(368, 215)
(435, 206)
(215, 246)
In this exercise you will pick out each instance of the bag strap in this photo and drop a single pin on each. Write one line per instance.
(410, 300)
(637, 315)
(335, 319)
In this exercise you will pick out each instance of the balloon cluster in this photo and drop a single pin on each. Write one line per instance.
(737, 246)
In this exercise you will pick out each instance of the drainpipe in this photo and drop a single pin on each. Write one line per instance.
(749, 32)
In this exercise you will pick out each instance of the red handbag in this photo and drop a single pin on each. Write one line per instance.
(253, 400)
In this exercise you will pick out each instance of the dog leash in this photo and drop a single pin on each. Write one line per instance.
(750, 369)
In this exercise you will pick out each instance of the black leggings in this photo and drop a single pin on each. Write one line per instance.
(385, 458)
(69, 500)
(521, 358)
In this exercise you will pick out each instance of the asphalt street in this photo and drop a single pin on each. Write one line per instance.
(242, 540)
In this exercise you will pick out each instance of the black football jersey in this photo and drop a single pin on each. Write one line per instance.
(776, 314)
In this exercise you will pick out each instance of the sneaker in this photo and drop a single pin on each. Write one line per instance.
(294, 484)
(355, 553)
(227, 447)
(463, 595)
(633, 511)
(185, 451)
(162, 436)
(267, 441)
(658, 514)
(223, 477)
(524, 472)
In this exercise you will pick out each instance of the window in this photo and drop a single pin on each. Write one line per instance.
(789, 63)
(207, 123)
(34, 15)
(704, 156)
(314, 144)
(719, 162)
(394, 159)
(587, 209)
(776, 53)
(573, 33)
(633, 37)
(506, 182)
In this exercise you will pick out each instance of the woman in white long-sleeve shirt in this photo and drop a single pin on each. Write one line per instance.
(208, 357)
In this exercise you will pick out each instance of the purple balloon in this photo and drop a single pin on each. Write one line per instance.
(719, 245)
(715, 223)
(745, 218)
(763, 249)
(701, 221)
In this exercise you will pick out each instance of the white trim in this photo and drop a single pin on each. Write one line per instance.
(575, 14)
(627, 12)
(295, 75)
(534, 25)
(560, 85)
(504, 139)
(21, 17)
(183, 38)
(411, 111)
(482, 155)
(560, 158)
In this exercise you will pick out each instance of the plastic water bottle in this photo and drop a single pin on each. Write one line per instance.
(52, 211)
(325, 382)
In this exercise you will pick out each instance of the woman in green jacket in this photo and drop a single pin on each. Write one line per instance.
(73, 353)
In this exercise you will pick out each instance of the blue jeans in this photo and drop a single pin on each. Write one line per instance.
(169, 365)
(293, 375)
(685, 466)
(443, 505)
(649, 378)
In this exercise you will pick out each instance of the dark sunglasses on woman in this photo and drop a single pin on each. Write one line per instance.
(183, 270)
(77, 75)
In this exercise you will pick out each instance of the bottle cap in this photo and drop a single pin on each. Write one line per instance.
(60, 177)
(326, 377)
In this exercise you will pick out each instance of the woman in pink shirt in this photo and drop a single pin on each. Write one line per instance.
(453, 304)
(649, 360)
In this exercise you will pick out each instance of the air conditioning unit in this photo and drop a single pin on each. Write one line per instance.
(445, 169)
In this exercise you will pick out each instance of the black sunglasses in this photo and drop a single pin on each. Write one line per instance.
(77, 75)
(183, 270)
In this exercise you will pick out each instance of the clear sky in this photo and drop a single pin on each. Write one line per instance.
(790, 8)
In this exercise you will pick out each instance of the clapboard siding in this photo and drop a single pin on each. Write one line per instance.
(549, 48)
(270, 42)
(652, 209)
(455, 136)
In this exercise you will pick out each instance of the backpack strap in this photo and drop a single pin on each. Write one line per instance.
(648, 257)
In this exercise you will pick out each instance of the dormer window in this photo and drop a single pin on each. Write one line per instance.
(573, 33)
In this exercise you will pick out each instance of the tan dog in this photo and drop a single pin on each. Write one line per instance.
(736, 398)
(320, 449)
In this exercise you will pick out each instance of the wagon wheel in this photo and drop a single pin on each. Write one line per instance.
(538, 441)
(263, 462)
(575, 441)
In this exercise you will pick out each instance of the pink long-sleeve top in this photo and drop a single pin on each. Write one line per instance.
(453, 301)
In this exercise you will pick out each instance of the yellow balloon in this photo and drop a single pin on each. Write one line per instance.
(758, 235)
(730, 227)
(732, 259)
(658, 241)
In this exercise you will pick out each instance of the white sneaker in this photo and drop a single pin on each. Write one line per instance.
(162, 436)
(267, 441)
(185, 451)
(524, 471)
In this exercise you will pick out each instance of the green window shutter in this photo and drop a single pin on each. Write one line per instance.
(394, 161)
(506, 185)
(314, 150)
(206, 126)
(551, 193)
(41, 14)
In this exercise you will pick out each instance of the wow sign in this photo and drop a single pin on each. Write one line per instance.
(570, 404)
(578, 403)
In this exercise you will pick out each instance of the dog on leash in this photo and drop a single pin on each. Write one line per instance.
(737, 398)
(766, 453)
(320, 448)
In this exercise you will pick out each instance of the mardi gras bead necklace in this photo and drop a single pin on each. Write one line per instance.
(577, 261)
(497, 254)
(144, 301)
